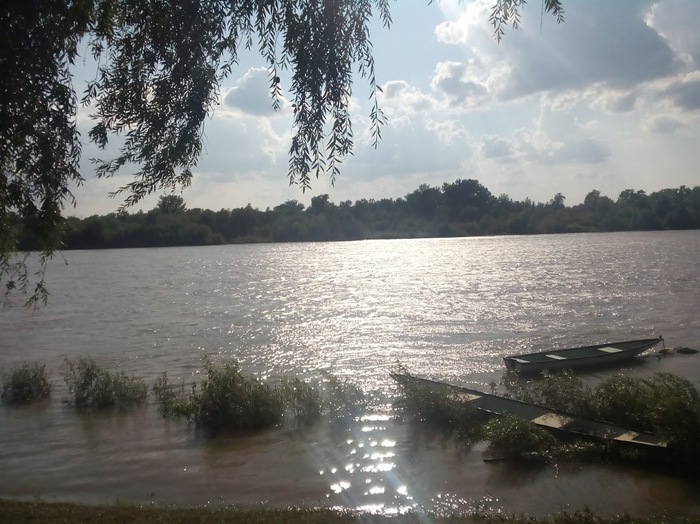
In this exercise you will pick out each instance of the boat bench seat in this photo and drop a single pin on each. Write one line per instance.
(609, 349)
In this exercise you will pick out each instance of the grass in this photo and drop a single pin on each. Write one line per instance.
(93, 387)
(16, 511)
(25, 384)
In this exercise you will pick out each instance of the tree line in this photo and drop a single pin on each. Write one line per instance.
(460, 208)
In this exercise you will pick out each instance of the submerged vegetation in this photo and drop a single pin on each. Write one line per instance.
(92, 386)
(227, 400)
(25, 383)
(664, 404)
(224, 400)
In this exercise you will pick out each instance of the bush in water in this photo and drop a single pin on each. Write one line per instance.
(225, 399)
(25, 384)
(92, 386)
(172, 400)
(511, 437)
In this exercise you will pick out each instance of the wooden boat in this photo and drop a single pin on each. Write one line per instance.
(557, 421)
(575, 358)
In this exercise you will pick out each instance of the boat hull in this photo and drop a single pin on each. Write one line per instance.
(580, 357)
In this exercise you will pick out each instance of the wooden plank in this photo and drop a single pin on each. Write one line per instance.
(552, 420)
(610, 350)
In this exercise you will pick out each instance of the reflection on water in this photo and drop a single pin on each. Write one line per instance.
(447, 309)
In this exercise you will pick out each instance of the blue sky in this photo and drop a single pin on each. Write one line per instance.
(609, 100)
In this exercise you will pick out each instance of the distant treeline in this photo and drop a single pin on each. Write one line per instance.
(461, 208)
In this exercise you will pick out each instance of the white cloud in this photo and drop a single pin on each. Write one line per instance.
(684, 92)
(398, 97)
(496, 147)
(608, 100)
(676, 22)
(663, 124)
(252, 93)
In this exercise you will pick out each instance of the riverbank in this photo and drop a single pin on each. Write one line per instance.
(12, 511)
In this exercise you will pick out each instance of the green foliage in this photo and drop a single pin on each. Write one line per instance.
(563, 391)
(302, 399)
(341, 399)
(507, 12)
(512, 437)
(92, 386)
(665, 404)
(440, 406)
(25, 384)
(172, 400)
(674, 410)
(158, 78)
(624, 401)
(462, 208)
(227, 400)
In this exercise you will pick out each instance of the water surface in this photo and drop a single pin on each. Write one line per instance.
(448, 309)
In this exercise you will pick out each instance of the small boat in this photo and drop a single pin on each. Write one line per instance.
(575, 358)
(550, 419)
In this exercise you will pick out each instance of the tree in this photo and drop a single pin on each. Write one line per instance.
(160, 66)
(171, 204)
(557, 202)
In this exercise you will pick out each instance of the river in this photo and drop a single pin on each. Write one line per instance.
(448, 309)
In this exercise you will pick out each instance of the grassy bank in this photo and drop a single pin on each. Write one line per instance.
(16, 511)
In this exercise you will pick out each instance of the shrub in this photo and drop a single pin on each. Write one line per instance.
(440, 406)
(513, 437)
(227, 399)
(172, 400)
(25, 384)
(562, 391)
(674, 410)
(92, 386)
(623, 401)
(341, 399)
(302, 399)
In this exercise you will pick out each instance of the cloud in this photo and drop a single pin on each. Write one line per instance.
(460, 84)
(663, 124)
(252, 93)
(399, 97)
(608, 100)
(497, 148)
(616, 102)
(684, 93)
(676, 22)
(602, 43)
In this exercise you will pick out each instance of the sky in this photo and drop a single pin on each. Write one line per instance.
(609, 100)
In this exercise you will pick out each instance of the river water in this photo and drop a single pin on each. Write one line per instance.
(448, 309)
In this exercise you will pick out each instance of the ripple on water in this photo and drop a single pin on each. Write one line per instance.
(448, 309)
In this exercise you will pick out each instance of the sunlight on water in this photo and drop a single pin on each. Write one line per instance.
(448, 309)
